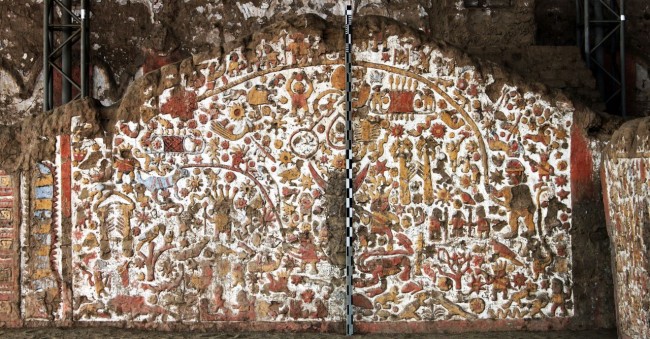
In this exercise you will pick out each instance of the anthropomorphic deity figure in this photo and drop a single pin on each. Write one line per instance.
(517, 199)
(559, 297)
(125, 164)
(299, 94)
(437, 223)
(500, 281)
(482, 223)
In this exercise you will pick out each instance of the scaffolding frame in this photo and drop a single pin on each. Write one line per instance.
(603, 37)
(60, 17)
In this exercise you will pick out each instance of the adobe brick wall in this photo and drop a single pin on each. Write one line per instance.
(558, 67)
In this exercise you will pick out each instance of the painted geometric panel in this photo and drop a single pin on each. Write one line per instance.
(41, 277)
(9, 246)
(462, 202)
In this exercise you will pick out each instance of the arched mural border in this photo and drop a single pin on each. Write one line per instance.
(445, 96)
(367, 65)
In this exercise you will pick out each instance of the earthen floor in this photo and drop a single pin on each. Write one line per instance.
(122, 333)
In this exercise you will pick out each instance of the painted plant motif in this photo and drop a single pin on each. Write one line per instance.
(462, 203)
(214, 209)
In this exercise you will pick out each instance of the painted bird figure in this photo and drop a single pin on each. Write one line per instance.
(291, 174)
(503, 251)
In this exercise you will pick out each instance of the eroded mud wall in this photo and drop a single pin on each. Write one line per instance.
(131, 38)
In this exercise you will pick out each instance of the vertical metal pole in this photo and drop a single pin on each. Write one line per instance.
(587, 37)
(47, 74)
(349, 268)
(84, 60)
(578, 23)
(66, 51)
(599, 53)
(622, 53)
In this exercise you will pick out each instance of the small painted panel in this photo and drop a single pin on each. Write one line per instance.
(629, 214)
(462, 203)
(9, 255)
(41, 278)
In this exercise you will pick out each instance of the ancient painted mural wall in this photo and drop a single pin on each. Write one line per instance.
(627, 169)
(216, 207)
(463, 201)
(214, 194)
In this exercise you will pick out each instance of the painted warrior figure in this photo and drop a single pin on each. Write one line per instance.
(517, 199)
(125, 164)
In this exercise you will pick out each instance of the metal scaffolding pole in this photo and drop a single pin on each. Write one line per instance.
(62, 29)
(84, 50)
(47, 70)
(604, 49)
(66, 51)
(623, 61)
